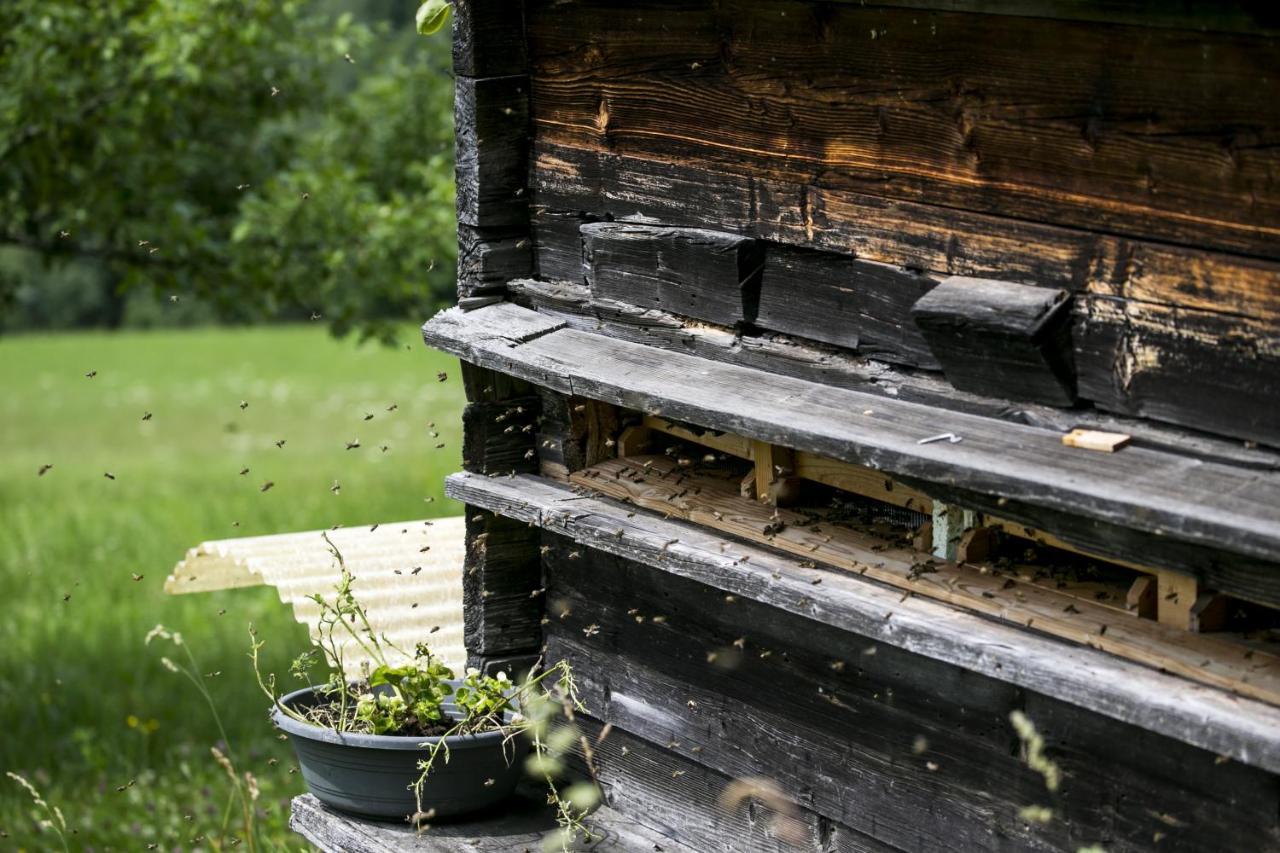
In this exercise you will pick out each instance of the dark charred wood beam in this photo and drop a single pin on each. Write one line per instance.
(489, 38)
(840, 300)
(706, 275)
(1203, 717)
(792, 356)
(1149, 491)
(1001, 338)
(1167, 146)
(488, 258)
(1150, 303)
(501, 616)
(492, 132)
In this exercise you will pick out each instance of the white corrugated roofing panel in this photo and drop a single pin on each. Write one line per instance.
(408, 577)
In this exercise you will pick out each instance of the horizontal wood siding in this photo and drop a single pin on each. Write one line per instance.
(1120, 162)
(915, 753)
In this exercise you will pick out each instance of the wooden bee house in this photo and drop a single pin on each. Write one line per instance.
(812, 537)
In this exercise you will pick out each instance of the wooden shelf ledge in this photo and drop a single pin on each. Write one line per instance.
(518, 826)
(1212, 719)
(1156, 492)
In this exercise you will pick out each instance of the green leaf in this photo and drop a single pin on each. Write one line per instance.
(432, 15)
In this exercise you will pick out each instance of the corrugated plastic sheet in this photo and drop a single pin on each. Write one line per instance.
(408, 577)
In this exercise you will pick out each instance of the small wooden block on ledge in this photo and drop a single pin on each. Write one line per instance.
(706, 275)
(1092, 439)
(1001, 339)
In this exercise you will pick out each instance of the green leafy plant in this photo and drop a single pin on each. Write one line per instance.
(409, 699)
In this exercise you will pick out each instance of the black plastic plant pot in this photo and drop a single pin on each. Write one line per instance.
(373, 775)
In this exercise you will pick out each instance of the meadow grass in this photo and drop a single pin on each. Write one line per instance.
(89, 715)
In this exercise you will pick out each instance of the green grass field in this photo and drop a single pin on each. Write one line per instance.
(90, 716)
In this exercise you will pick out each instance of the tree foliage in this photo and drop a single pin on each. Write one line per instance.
(260, 155)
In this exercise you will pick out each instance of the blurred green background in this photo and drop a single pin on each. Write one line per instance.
(290, 164)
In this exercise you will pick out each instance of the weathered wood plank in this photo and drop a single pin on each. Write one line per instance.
(491, 115)
(837, 299)
(519, 827)
(557, 241)
(681, 799)
(707, 275)
(1000, 338)
(1237, 297)
(1141, 133)
(501, 569)
(488, 38)
(572, 305)
(1147, 490)
(1017, 597)
(498, 438)
(844, 738)
(490, 257)
(1198, 368)
(1201, 716)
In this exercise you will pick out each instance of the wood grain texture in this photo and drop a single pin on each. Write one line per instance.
(837, 299)
(1149, 491)
(488, 38)
(490, 257)
(1001, 338)
(836, 725)
(519, 827)
(1141, 132)
(498, 438)
(693, 272)
(682, 799)
(491, 117)
(572, 305)
(1233, 298)
(1188, 712)
(501, 570)
(1193, 367)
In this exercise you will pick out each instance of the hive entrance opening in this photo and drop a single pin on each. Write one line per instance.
(828, 513)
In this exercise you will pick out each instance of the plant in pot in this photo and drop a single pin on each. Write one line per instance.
(410, 740)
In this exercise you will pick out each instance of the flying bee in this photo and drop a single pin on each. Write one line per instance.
(244, 404)
(136, 577)
(265, 487)
(442, 376)
(336, 487)
(392, 407)
(384, 447)
(91, 374)
(274, 91)
(64, 234)
(368, 416)
(244, 471)
(281, 442)
(348, 58)
(353, 444)
(44, 469)
(146, 416)
(109, 475)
